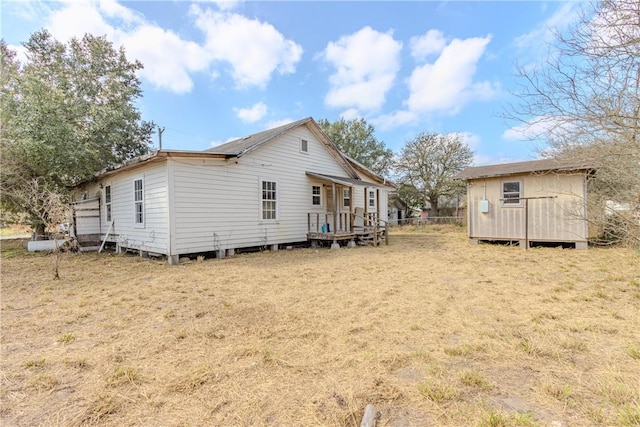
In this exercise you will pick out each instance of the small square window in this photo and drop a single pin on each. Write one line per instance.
(511, 193)
(315, 195)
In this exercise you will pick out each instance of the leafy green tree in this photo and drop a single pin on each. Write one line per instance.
(356, 138)
(426, 166)
(67, 112)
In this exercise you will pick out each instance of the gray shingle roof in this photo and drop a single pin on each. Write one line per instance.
(248, 143)
(523, 167)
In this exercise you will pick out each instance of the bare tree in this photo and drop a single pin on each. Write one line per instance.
(40, 198)
(426, 166)
(584, 102)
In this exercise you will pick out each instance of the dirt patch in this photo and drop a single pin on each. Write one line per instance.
(430, 329)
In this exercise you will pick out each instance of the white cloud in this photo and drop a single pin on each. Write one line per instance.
(447, 84)
(366, 64)
(222, 4)
(544, 32)
(350, 114)
(432, 42)
(253, 114)
(278, 123)
(538, 128)
(471, 139)
(168, 59)
(394, 119)
(75, 19)
(27, 10)
(254, 49)
(534, 45)
(113, 9)
(21, 52)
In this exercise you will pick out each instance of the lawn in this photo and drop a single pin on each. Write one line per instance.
(431, 330)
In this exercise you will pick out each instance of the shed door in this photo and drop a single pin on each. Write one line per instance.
(86, 220)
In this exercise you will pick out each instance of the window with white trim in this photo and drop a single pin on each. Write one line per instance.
(316, 200)
(269, 200)
(138, 202)
(346, 197)
(304, 146)
(512, 193)
(372, 199)
(107, 202)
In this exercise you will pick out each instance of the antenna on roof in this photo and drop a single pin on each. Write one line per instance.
(160, 131)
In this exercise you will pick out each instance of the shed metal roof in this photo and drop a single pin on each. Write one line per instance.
(532, 166)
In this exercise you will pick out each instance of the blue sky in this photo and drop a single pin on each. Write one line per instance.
(215, 71)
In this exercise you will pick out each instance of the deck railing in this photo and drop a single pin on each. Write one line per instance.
(348, 223)
(324, 223)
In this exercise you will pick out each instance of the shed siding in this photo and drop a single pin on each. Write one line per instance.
(558, 219)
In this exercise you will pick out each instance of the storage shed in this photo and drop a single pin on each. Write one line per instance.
(526, 203)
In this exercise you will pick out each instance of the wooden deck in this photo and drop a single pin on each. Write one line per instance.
(368, 232)
(340, 236)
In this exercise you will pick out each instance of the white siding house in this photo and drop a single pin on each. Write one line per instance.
(285, 185)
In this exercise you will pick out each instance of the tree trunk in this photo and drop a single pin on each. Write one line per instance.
(435, 210)
(39, 230)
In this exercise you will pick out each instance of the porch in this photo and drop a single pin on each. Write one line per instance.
(359, 228)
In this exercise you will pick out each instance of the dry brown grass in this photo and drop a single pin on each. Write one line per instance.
(430, 329)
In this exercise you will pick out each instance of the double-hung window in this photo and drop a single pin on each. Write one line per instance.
(269, 200)
(138, 201)
(372, 199)
(512, 193)
(107, 202)
(346, 197)
(315, 195)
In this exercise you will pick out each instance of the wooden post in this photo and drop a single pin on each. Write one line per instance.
(335, 206)
(350, 209)
(308, 222)
(526, 224)
(375, 234)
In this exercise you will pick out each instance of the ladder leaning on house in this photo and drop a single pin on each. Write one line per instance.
(106, 236)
